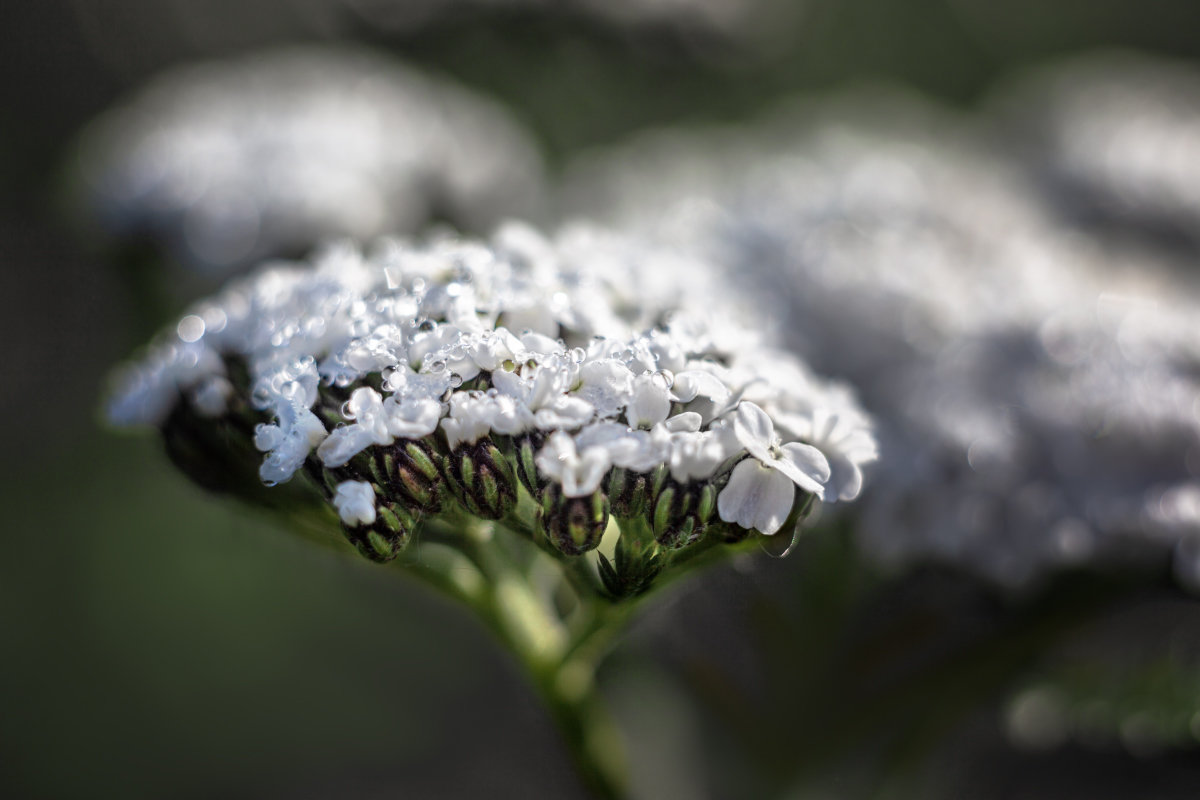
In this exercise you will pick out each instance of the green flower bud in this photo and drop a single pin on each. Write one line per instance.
(525, 449)
(481, 479)
(574, 525)
(409, 470)
(387, 536)
(680, 512)
(630, 492)
(638, 563)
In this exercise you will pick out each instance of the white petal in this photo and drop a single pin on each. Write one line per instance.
(651, 402)
(695, 456)
(688, 421)
(510, 417)
(267, 437)
(492, 349)
(694, 383)
(310, 429)
(579, 473)
(607, 385)
(413, 418)
(510, 384)
(548, 384)
(556, 454)
(601, 434)
(641, 451)
(585, 477)
(845, 478)
(566, 413)
(364, 402)
(537, 344)
(754, 431)
(805, 465)
(756, 497)
(355, 502)
(343, 444)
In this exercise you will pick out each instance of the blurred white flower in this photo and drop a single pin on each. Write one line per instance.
(1034, 388)
(228, 162)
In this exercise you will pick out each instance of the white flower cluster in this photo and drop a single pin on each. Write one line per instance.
(1119, 135)
(605, 353)
(229, 162)
(1035, 389)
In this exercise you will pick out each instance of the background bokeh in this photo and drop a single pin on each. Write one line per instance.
(156, 641)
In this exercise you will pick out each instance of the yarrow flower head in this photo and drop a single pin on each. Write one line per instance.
(553, 386)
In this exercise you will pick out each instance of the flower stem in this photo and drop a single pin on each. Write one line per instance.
(561, 661)
(592, 739)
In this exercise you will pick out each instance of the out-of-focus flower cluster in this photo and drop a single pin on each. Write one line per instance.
(604, 377)
(1036, 389)
(1117, 136)
(232, 161)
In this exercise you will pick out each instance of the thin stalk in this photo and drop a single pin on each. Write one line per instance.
(561, 663)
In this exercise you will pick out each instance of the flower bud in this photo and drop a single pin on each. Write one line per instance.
(630, 492)
(409, 471)
(681, 511)
(638, 561)
(525, 449)
(574, 525)
(387, 536)
(481, 479)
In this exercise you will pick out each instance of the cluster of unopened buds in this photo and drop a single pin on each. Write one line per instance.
(552, 387)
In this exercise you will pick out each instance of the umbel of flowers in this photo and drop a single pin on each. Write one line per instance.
(469, 409)
(596, 380)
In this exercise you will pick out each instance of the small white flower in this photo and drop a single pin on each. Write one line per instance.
(846, 442)
(579, 472)
(491, 349)
(638, 451)
(536, 386)
(355, 503)
(565, 413)
(412, 418)
(695, 455)
(607, 384)
(509, 416)
(290, 441)
(693, 383)
(370, 427)
(760, 492)
(470, 418)
(407, 383)
(651, 401)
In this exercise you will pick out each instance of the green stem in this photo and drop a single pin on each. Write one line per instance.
(462, 562)
(592, 740)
